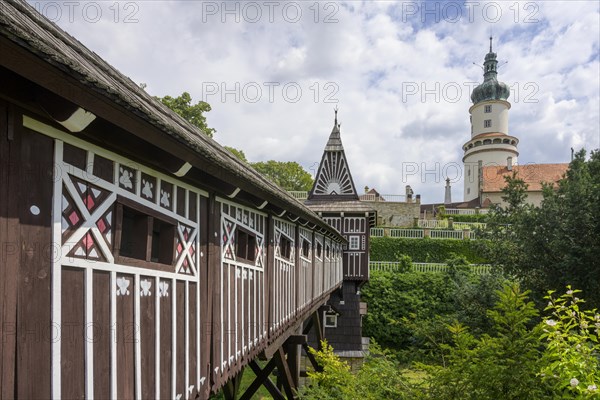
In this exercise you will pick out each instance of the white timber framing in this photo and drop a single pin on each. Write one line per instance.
(119, 273)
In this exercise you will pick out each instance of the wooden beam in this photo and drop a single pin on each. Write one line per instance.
(308, 326)
(296, 340)
(262, 378)
(318, 328)
(311, 358)
(284, 373)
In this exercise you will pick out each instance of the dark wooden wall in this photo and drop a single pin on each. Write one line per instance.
(128, 327)
(10, 252)
(27, 249)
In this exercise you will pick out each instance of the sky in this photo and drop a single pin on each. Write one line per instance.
(400, 73)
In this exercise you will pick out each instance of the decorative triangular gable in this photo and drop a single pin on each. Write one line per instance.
(333, 178)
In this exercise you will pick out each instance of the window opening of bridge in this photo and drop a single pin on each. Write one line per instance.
(245, 245)
(285, 246)
(145, 237)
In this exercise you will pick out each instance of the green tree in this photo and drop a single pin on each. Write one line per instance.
(556, 244)
(288, 175)
(499, 366)
(238, 153)
(193, 113)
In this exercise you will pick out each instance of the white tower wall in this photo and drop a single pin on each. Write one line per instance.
(497, 156)
(497, 117)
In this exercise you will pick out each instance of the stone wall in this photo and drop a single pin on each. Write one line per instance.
(395, 214)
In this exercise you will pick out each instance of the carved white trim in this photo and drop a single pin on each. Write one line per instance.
(122, 286)
(163, 289)
(145, 287)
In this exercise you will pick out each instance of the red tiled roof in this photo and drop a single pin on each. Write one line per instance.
(532, 174)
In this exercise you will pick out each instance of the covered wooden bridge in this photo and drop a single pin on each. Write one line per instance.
(139, 258)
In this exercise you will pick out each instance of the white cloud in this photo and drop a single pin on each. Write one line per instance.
(372, 53)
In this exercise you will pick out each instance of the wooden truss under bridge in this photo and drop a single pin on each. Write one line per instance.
(285, 359)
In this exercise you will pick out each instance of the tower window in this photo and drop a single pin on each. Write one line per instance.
(487, 123)
(488, 108)
(468, 190)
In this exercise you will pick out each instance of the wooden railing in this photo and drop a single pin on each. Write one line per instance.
(394, 266)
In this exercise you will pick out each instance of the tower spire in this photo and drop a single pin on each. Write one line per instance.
(333, 177)
(335, 123)
(490, 89)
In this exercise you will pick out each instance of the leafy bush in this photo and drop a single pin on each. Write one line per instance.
(335, 382)
(408, 311)
(396, 299)
(405, 262)
(558, 358)
(571, 361)
(377, 379)
(425, 250)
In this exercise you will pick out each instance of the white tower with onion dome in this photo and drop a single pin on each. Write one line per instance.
(490, 143)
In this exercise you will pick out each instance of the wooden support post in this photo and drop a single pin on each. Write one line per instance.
(232, 386)
(213, 290)
(292, 349)
(210, 291)
(270, 270)
(318, 328)
(11, 251)
(293, 361)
